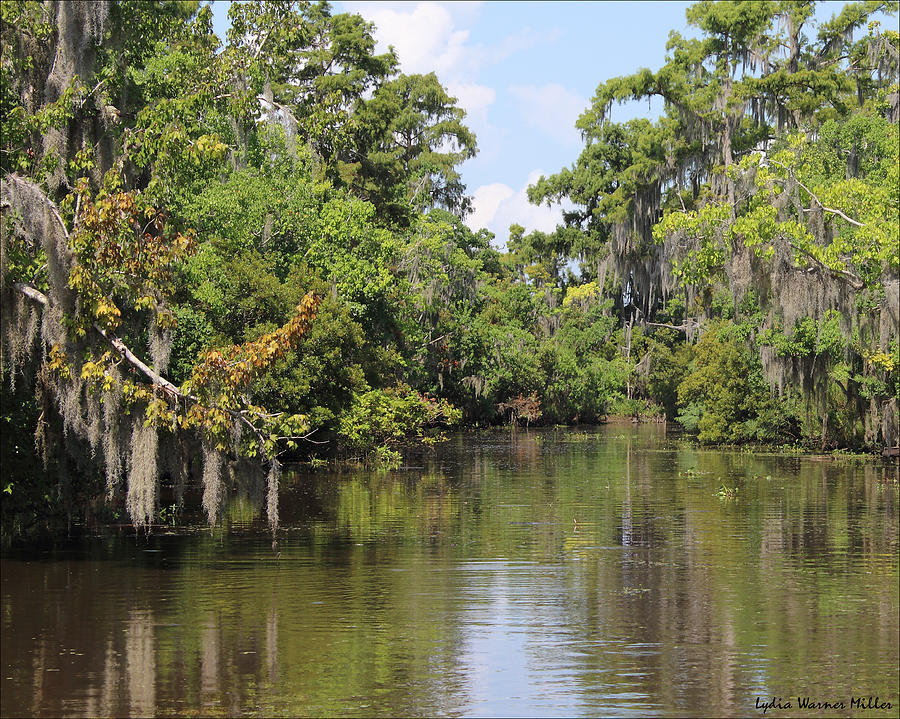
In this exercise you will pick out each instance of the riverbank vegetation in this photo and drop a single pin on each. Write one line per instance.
(219, 254)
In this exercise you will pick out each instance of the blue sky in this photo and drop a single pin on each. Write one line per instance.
(523, 71)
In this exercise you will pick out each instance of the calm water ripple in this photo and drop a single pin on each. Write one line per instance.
(547, 573)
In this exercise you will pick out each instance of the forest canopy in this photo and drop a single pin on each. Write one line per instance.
(221, 254)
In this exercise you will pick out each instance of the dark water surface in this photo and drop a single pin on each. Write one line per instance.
(548, 573)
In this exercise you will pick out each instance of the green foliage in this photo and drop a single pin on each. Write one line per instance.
(768, 189)
(668, 367)
(809, 339)
(287, 210)
(724, 394)
(415, 138)
(394, 415)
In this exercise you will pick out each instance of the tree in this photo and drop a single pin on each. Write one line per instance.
(309, 68)
(727, 93)
(411, 140)
(772, 173)
(84, 245)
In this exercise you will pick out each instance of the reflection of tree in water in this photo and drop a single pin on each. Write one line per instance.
(38, 669)
(210, 684)
(437, 506)
(109, 691)
(627, 527)
(704, 599)
(524, 450)
(140, 662)
(272, 641)
(669, 592)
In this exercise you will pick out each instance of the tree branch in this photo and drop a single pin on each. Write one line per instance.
(96, 87)
(136, 362)
(265, 36)
(689, 323)
(120, 347)
(39, 297)
(157, 379)
(278, 106)
(831, 210)
(11, 176)
(855, 282)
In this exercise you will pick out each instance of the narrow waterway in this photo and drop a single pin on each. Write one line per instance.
(601, 572)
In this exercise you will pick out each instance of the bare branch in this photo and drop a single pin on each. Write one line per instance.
(853, 280)
(262, 42)
(31, 293)
(831, 210)
(120, 347)
(136, 362)
(96, 87)
(155, 378)
(278, 106)
(688, 324)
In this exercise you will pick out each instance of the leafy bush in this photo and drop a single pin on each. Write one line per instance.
(724, 395)
(394, 415)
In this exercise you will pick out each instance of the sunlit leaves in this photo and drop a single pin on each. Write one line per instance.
(220, 383)
(414, 139)
(724, 392)
(809, 338)
(394, 415)
(702, 233)
(124, 255)
(234, 368)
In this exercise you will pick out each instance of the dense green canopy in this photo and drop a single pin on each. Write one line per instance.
(218, 257)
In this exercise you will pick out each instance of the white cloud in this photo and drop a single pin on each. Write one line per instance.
(430, 36)
(525, 39)
(435, 36)
(424, 35)
(473, 97)
(497, 206)
(476, 99)
(462, 11)
(552, 108)
(486, 200)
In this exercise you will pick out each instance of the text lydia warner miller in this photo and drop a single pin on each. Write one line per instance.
(809, 703)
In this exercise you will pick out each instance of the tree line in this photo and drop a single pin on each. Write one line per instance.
(219, 254)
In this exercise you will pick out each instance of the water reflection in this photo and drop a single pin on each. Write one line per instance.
(140, 662)
(540, 573)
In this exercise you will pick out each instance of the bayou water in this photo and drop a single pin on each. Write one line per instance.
(608, 572)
